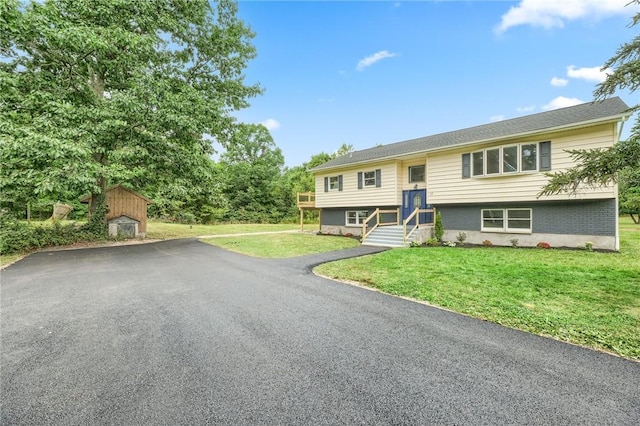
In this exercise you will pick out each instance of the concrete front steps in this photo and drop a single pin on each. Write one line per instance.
(387, 236)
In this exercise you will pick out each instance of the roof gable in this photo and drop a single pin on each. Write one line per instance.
(563, 118)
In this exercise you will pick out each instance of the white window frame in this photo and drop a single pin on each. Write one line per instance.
(424, 173)
(360, 216)
(501, 171)
(505, 221)
(369, 178)
(334, 183)
(518, 168)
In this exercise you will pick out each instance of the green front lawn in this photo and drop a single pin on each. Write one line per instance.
(588, 298)
(282, 245)
(164, 231)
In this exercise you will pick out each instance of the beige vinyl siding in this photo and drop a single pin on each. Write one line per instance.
(444, 171)
(404, 173)
(351, 196)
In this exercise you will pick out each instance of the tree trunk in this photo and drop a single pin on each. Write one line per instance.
(98, 199)
(96, 83)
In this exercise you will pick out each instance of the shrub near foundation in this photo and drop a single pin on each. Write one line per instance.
(438, 230)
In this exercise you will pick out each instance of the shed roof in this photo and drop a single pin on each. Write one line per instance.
(612, 109)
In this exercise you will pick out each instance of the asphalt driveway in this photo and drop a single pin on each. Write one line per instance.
(181, 332)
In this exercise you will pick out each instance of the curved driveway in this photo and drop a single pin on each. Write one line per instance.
(181, 332)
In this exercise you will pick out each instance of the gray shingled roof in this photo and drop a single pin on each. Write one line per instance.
(574, 116)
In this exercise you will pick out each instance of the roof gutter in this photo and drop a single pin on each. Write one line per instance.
(588, 123)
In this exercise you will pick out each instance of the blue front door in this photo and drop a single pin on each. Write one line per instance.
(414, 199)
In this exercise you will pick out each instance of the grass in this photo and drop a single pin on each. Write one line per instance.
(587, 298)
(8, 259)
(164, 231)
(282, 245)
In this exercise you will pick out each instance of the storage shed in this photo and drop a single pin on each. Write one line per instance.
(126, 211)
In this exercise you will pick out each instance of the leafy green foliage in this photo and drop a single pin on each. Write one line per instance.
(432, 242)
(15, 236)
(629, 193)
(596, 167)
(95, 227)
(251, 168)
(19, 237)
(624, 66)
(438, 230)
(131, 92)
(601, 167)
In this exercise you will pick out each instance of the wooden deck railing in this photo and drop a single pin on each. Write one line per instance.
(416, 214)
(306, 200)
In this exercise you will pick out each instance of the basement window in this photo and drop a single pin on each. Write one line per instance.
(506, 220)
(356, 217)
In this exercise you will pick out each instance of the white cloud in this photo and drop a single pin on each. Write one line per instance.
(559, 82)
(590, 74)
(561, 102)
(271, 123)
(495, 118)
(554, 13)
(526, 109)
(370, 60)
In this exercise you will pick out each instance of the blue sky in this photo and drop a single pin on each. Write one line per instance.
(375, 72)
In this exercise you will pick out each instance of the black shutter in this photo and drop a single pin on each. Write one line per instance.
(545, 156)
(466, 166)
(326, 184)
(340, 183)
(359, 180)
(378, 178)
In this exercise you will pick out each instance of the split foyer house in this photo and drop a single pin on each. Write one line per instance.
(483, 180)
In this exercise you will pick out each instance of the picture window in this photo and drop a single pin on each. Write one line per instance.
(504, 160)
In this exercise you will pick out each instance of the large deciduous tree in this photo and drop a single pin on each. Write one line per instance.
(95, 92)
(600, 167)
(251, 166)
